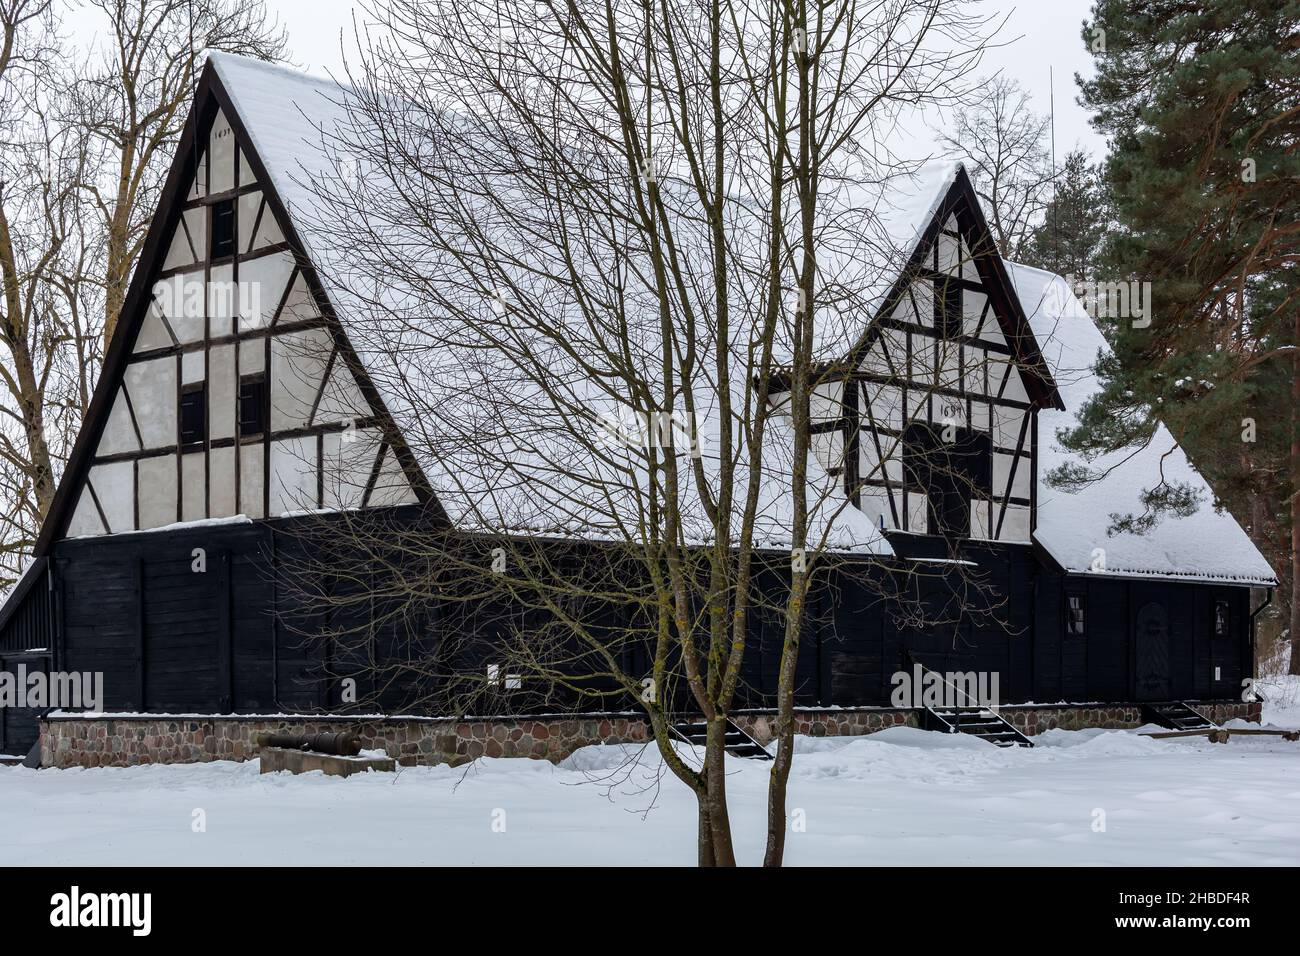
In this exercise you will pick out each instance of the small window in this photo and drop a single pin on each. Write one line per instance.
(223, 229)
(194, 413)
(1221, 626)
(253, 405)
(1074, 620)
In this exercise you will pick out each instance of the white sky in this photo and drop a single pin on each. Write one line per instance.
(1038, 35)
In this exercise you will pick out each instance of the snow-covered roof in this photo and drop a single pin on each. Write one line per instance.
(500, 452)
(1206, 545)
(558, 489)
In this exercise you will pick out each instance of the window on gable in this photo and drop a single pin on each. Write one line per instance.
(1075, 609)
(1222, 627)
(194, 413)
(253, 405)
(953, 466)
(223, 229)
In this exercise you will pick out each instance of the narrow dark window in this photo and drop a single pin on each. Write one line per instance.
(194, 413)
(223, 229)
(1075, 625)
(1221, 626)
(253, 405)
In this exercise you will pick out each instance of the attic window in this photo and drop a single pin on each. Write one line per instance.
(1074, 615)
(223, 229)
(253, 405)
(194, 413)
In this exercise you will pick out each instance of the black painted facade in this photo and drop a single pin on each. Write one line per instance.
(233, 638)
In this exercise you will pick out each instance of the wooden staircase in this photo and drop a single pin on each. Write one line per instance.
(1176, 715)
(978, 722)
(736, 741)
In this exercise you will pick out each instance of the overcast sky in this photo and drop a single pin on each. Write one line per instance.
(1039, 35)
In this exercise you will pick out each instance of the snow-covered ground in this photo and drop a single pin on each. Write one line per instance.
(895, 798)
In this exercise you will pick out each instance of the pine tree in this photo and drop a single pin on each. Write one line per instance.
(1069, 240)
(1201, 103)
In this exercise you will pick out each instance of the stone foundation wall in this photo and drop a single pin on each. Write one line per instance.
(128, 741)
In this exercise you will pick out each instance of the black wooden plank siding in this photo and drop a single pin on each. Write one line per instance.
(234, 638)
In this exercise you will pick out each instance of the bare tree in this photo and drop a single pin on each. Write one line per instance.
(133, 103)
(1004, 144)
(605, 264)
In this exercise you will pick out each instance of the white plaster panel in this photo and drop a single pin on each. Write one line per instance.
(249, 204)
(1015, 524)
(198, 189)
(979, 519)
(221, 152)
(1002, 471)
(918, 519)
(300, 306)
(115, 487)
(153, 333)
(194, 491)
(245, 172)
(222, 296)
(157, 491)
(1006, 427)
(949, 254)
(293, 475)
(182, 298)
(262, 282)
(886, 404)
(972, 309)
(221, 483)
(347, 465)
(870, 467)
(251, 480)
(193, 367)
(342, 399)
(391, 487)
(152, 385)
(252, 356)
(85, 517)
(223, 395)
(874, 503)
(298, 363)
(119, 433)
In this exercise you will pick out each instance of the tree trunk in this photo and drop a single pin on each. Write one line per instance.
(1295, 504)
(774, 855)
(704, 832)
(715, 770)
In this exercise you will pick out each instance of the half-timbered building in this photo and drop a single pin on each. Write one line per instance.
(233, 399)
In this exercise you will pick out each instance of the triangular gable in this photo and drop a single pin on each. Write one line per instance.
(223, 310)
(975, 258)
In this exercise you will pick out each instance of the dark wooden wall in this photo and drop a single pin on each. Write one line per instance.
(232, 638)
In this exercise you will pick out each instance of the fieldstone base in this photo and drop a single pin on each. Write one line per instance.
(141, 739)
(72, 741)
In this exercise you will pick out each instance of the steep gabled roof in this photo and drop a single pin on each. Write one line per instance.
(1208, 545)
